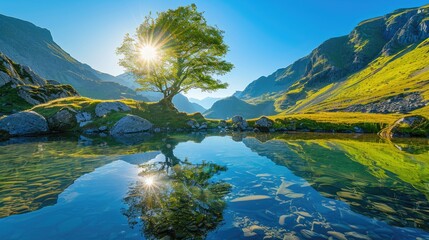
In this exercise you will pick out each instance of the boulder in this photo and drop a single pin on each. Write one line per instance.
(106, 107)
(193, 124)
(264, 124)
(130, 124)
(239, 123)
(83, 118)
(63, 120)
(203, 126)
(222, 123)
(24, 123)
(103, 128)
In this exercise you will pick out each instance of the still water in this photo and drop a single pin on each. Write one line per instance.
(277, 186)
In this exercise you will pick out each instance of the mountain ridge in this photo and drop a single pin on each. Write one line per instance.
(321, 81)
(33, 46)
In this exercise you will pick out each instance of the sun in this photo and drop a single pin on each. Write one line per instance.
(148, 53)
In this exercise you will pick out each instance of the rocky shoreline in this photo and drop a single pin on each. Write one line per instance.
(31, 123)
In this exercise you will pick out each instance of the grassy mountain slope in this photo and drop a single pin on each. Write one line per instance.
(380, 59)
(33, 46)
(380, 67)
(268, 88)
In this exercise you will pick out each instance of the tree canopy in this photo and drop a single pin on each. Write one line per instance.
(175, 52)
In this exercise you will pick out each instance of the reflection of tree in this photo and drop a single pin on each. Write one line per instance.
(176, 200)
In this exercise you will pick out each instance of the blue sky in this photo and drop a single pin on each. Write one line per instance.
(263, 35)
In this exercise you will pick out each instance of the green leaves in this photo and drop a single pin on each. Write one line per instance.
(190, 53)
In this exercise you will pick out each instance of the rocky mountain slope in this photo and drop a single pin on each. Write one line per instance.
(21, 88)
(33, 46)
(381, 66)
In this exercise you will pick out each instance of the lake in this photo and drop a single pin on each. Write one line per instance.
(239, 186)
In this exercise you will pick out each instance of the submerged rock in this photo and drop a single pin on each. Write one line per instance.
(251, 198)
(130, 124)
(24, 123)
(105, 108)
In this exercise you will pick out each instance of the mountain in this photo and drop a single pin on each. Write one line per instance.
(205, 102)
(21, 88)
(381, 66)
(231, 106)
(181, 102)
(34, 47)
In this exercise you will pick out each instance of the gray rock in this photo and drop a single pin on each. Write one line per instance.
(239, 123)
(83, 118)
(193, 124)
(63, 120)
(24, 123)
(102, 128)
(203, 126)
(106, 107)
(402, 103)
(264, 124)
(91, 131)
(222, 123)
(358, 130)
(130, 124)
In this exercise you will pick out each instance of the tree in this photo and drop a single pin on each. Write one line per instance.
(175, 52)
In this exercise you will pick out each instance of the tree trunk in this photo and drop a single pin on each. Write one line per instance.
(168, 101)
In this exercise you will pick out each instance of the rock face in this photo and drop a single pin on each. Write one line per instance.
(62, 120)
(402, 103)
(33, 46)
(32, 89)
(239, 123)
(130, 124)
(106, 107)
(264, 124)
(24, 123)
(37, 95)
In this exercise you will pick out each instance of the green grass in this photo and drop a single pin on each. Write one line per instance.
(10, 101)
(385, 77)
(156, 113)
(332, 121)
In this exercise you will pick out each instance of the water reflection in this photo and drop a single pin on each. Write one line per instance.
(374, 178)
(283, 186)
(34, 171)
(175, 199)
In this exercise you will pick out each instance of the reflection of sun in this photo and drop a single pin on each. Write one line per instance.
(148, 181)
(148, 52)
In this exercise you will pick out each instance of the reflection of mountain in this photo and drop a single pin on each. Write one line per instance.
(374, 178)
